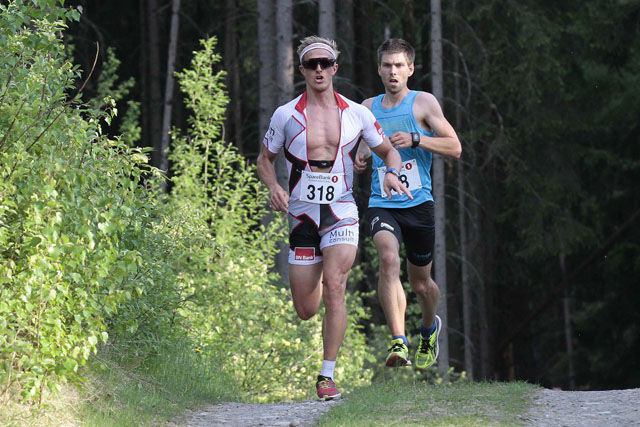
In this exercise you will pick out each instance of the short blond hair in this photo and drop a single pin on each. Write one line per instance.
(317, 39)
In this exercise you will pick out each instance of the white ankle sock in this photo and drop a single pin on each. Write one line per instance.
(327, 368)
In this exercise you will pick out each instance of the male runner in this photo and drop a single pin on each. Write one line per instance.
(417, 128)
(319, 132)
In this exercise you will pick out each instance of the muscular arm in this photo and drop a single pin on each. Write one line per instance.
(279, 197)
(428, 113)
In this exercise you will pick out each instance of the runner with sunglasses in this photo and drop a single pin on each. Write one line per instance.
(319, 132)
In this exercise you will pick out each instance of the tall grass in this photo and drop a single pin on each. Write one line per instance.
(122, 389)
(153, 390)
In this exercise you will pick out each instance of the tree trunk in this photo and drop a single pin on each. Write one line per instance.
(440, 249)
(284, 83)
(233, 120)
(284, 50)
(366, 58)
(481, 252)
(326, 19)
(168, 90)
(344, 83)
(568, 328)
(266, 76)
(155, 93)
(408, 23)
(467, 313)
(143, 64)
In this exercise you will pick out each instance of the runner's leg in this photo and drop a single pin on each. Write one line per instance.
(426, 290)
(390, 291)
(306, 290)
(338, 260)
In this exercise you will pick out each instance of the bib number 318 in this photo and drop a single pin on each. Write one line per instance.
(321, 188)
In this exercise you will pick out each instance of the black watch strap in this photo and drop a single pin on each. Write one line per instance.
(415, 139)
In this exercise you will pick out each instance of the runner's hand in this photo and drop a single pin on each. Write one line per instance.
(391, 182)
(360, 164)
(279, 200)
(401, 140)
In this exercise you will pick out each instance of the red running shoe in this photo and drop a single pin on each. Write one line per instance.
(327, 389)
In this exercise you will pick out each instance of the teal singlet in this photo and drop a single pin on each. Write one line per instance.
(416, 162)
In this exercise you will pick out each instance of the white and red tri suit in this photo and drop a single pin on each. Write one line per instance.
(316, 220)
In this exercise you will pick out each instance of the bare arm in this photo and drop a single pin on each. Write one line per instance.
(363, 153)
(279, 197)
(360, 163)
(428, 113)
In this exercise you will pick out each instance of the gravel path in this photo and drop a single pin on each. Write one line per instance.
(584, 408)
(257, 414)
(551, 408)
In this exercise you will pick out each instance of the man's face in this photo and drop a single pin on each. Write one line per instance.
(395, 70)
(315, 75)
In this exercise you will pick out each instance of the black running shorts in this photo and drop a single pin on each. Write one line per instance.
(414, 226)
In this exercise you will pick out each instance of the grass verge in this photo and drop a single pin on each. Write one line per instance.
(398, 401)
(122, 390)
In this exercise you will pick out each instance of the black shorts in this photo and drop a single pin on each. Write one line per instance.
(414, 226)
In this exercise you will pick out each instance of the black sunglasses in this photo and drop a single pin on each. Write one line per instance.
(312, 64)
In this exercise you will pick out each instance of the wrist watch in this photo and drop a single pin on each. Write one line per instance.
(415, 139)
(393, 171)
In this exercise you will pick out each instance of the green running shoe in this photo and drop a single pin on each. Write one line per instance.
(428, 349)
(399, 354)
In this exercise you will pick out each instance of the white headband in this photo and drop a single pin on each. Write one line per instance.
(318, 46)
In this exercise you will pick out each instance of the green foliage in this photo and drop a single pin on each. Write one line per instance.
(121, 392)
(110, 91)
(237, 312)
(68, 198)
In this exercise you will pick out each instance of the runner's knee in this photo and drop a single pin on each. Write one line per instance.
(390, 262)
(306, 311)
(334, 289)
(425, 286)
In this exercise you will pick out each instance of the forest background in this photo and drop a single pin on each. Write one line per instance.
(542, 239)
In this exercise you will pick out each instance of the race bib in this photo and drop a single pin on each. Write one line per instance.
(321, 188)
(409, 176)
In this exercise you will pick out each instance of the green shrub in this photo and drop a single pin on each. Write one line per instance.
(68, 197)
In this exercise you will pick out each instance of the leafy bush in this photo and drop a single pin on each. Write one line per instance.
(68, 200)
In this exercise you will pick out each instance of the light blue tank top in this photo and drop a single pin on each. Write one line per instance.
(396, 119)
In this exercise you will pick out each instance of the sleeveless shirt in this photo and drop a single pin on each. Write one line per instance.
(416, 162)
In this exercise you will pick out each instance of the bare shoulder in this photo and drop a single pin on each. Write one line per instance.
(426, 101)
(368, 102)
(426, 107)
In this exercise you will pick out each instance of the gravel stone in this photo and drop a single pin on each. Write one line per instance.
(293, 414)
(584, 408)
(550, 408)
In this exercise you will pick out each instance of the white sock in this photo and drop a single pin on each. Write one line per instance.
(327, 368)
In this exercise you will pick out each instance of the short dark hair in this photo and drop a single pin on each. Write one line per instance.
(397, 46)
